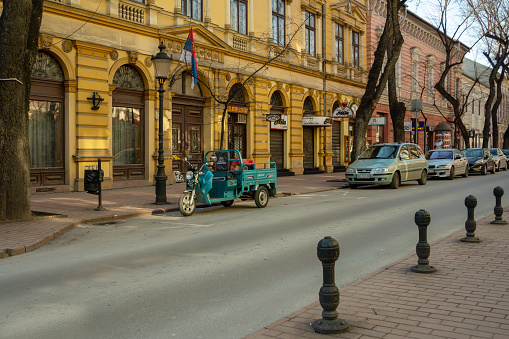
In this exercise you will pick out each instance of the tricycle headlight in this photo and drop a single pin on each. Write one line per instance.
(381, 170)
(350, 170)
(189, 175)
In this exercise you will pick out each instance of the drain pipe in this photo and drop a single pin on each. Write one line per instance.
(324, 64)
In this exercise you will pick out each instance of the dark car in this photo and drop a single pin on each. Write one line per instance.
(480, 160)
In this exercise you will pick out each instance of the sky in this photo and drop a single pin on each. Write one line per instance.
(427, 10)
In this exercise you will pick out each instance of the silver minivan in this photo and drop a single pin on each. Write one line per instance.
(388, 164)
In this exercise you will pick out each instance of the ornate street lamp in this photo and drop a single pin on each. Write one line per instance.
(162, 63)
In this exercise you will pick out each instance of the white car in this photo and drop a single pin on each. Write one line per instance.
(446, 163)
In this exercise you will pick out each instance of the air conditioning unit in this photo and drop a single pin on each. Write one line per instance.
(240, 118)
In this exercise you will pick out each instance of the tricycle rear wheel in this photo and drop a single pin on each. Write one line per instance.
(186, 204)
(261, 197)
(227, 203)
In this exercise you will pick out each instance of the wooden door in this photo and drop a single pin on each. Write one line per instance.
(308, 146)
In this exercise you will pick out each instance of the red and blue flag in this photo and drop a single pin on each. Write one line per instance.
(189, 57)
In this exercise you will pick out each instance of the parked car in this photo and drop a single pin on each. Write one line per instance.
(388, 164)
(480, 160)
(446, 163)
(500, 158)
(506, 153)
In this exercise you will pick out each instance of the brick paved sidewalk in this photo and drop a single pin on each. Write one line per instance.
(468, 296)
(74, 208)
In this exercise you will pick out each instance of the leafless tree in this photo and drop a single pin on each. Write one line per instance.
(20, 23)
(492, 18)
(390, 44)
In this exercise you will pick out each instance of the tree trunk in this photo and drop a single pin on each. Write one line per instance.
(397, 108)
(496, 106)
(506, 139)
(391, 38)
(19, 32)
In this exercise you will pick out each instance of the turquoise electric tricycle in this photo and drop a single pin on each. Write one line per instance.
(225, 177)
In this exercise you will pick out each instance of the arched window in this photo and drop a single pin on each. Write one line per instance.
(45, 124)
(276, 99)
(127, 124)
(308, 106)
(237, 120)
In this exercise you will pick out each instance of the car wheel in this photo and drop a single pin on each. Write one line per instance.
(493, 169)
(497, 167)
(395, 180)
(451, 173)
(227, 203)
(424, 178)
(261, 197)
(465, 175)
(484, 170)
(186, 204)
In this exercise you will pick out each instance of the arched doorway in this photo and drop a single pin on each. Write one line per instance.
(237, 120)
(46, 122)
(187, 123)
(128, 117)
(277, 133)
(308, 139)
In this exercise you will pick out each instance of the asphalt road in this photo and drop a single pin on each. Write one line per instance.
(223, 272)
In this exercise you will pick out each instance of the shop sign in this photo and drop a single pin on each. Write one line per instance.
(238, 109)
(316, 120)
(377, 121)
(281, 123)
(420, 125)
(343, 112)
(272, 117)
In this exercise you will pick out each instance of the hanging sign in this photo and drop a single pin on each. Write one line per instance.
(238, 109)
(273, 117)
(377, 121)
(343, 111)
(281, 123)
(315, 120)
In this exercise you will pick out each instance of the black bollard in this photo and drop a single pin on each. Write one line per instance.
(99, 183)
(328, 253)
(498, 192)
(470, 224)
(423, 249)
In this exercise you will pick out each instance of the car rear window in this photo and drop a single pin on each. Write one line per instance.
(439, 155)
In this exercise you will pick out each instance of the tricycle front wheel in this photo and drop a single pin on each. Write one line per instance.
(261, 197)
(186, 204)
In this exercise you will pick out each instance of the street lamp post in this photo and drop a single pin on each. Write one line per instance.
(162, 63)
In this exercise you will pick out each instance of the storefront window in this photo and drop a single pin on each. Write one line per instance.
(45, 133)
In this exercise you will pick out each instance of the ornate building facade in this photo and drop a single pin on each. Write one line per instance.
(94, 93)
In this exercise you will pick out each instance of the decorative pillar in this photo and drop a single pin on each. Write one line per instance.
(228, 18)
(207, 11)
(269, 20)
(178, 9)
(250, 19)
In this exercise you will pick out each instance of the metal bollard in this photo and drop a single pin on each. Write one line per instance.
(328, 253)
(423, 249)
(499, 210)
(470, 224)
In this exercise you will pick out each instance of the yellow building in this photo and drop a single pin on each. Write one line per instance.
(94, 92)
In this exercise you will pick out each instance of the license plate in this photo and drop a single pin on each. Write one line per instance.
(363, 176)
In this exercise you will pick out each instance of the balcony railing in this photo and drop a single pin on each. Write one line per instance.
(132, 12)
(240, 43)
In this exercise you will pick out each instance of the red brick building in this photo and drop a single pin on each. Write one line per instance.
(417, 71)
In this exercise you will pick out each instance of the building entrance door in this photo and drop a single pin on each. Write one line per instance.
(187, 133)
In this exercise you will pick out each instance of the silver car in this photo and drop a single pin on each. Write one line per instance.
(446, 163)
(500, 158)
